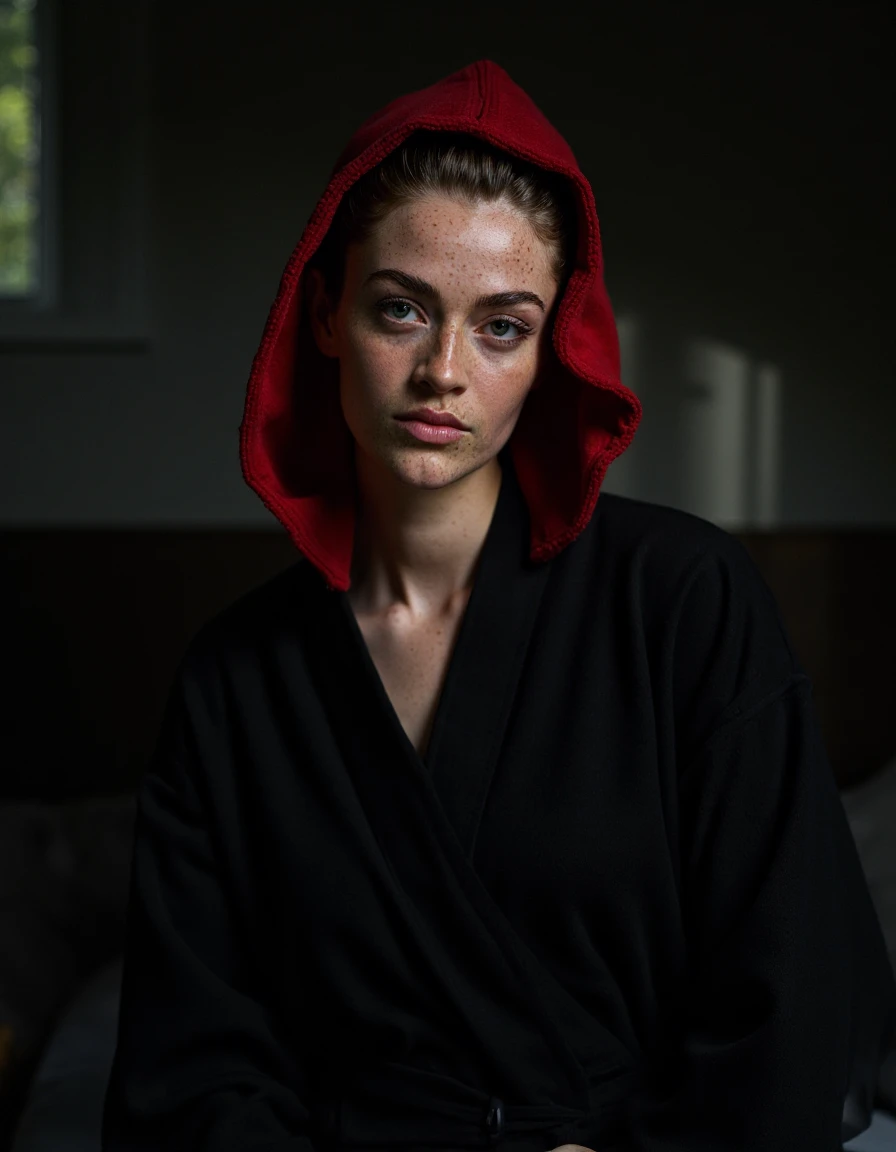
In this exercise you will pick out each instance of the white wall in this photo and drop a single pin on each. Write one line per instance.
(745, 217)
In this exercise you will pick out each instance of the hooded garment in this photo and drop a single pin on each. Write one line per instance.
(617, 904)
(295, 445)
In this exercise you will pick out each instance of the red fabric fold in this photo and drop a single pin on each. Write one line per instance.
(295, 447)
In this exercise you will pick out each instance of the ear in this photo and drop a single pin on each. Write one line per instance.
(321, 312)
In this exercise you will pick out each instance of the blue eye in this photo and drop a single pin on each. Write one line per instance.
(504, 328)
(398, 309)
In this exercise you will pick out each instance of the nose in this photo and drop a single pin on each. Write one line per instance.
(441, 361)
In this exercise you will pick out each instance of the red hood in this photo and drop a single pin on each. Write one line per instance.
(295, 447)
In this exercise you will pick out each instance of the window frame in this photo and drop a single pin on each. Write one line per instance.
(52, 317)
(44, 298)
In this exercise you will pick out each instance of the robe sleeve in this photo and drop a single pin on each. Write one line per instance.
(791, 1000)
(198, 1065)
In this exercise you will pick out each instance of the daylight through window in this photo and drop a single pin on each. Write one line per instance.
(19, 150)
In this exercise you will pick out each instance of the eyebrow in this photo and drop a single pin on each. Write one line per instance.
(423, 288)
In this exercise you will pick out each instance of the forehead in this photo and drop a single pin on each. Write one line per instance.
(486, 245)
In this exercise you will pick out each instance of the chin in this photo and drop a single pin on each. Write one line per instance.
(425, 468)
(432, 469)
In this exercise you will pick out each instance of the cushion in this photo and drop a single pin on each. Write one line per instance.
(64, 872)
(64, 1109)
(871, 811)
(880, 1137)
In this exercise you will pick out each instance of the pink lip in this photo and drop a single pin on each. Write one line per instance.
(432, 433)
(434, 416)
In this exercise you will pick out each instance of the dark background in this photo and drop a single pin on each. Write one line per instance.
(741, 160)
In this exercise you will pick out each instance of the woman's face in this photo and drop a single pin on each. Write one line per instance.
(444, 307)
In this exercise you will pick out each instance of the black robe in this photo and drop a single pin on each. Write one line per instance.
(619, 905)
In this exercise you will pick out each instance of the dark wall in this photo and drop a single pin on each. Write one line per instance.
(101, 619)
(741, 161)
(740, 157)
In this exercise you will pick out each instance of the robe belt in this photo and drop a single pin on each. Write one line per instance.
(397, 1104)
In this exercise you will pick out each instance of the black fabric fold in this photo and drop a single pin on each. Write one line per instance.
(629, 911)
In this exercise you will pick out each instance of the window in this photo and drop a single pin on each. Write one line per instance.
(22, 232)
(73, 174)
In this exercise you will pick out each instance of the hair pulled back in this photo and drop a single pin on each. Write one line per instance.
(457, 165)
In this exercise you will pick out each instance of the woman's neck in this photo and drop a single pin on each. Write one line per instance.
(416, 549)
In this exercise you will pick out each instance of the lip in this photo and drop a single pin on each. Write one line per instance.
(432, 433)
(434, 416)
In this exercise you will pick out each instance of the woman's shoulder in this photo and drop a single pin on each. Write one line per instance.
(261, 617)
(689, 575)
(703, 598)
(668, 547)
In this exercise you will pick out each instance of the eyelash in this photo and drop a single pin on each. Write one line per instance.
(525, 329)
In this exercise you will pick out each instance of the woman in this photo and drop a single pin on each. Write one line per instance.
(502, 816)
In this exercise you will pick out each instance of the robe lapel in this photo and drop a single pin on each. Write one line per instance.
(426, 819)
(482, 678)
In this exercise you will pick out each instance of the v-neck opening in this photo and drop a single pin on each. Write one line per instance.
(424, 761)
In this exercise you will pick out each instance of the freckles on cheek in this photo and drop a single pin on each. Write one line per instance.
(370, 348)
(513, 382)
(370, 384)
(378, 370)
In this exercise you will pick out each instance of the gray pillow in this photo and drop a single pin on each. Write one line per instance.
(64, 872)
(64, 1110)
(880, 1137)
(871, 811)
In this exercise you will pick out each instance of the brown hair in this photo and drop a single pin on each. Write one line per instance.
(457, 165)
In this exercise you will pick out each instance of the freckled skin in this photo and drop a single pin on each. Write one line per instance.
(425, 509)
(444, 355)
